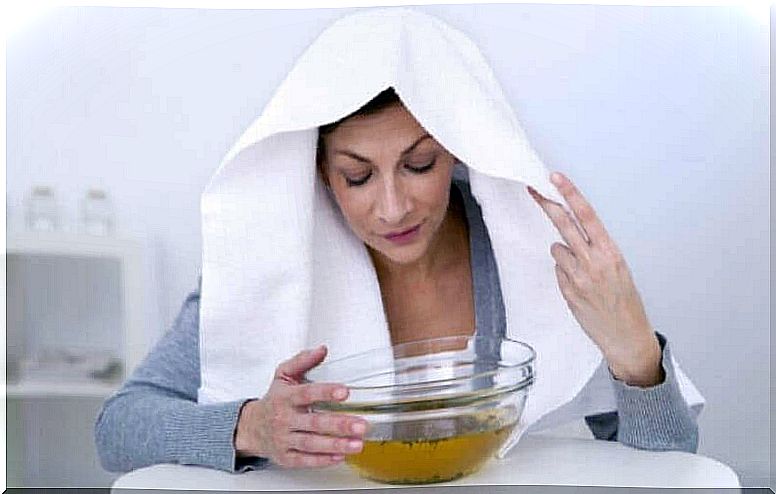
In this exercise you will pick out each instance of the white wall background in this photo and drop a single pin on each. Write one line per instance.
(659, 114)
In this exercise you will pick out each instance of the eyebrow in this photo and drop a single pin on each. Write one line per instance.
(367, 160)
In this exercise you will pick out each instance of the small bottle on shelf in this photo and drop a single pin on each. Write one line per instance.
(97, 213)
(42, 213)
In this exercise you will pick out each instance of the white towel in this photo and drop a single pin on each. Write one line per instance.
(281, 269)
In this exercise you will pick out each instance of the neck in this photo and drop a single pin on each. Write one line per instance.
(445, 250)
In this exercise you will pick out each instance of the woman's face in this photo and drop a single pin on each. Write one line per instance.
(391, 180)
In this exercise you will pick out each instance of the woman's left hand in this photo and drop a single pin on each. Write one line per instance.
(598, 287)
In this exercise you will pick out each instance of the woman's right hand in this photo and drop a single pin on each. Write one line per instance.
(280, 426)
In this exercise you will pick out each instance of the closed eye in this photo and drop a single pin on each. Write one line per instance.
(422, 169)
(356, 182)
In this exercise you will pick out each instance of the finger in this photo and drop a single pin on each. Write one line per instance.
(293, 368)
(329, 423)
(307, 394)
(565, 225)
(308, 442)
(582, 209)
(298, 459)
(566, 287)
(565, 259)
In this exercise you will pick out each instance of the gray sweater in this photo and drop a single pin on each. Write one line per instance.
(155, 418)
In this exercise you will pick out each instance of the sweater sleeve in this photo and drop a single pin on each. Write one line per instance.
(155, 418)
(654, 418)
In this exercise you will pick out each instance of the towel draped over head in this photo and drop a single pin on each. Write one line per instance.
(282, 271)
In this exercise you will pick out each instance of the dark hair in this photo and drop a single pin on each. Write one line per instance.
(383, 100)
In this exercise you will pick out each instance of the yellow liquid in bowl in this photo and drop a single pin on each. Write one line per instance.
(424, 461)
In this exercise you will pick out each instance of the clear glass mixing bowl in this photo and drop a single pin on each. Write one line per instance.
(437, 409)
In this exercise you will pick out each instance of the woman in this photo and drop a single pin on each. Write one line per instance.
(154, 418)
(399, 193)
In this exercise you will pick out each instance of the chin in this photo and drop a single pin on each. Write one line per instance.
(406, 254)
(403, 259)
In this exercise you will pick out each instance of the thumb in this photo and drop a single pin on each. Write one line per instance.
(293, 368)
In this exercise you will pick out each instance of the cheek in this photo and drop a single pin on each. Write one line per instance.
(354, 207)
(434, 194)
(441, 194)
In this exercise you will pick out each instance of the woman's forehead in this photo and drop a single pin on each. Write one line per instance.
(393, 126)
(394, 119)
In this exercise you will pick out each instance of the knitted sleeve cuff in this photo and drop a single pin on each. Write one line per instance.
(204, 435)
(657, 417)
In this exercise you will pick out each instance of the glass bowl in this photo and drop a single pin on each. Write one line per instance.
(437, 409)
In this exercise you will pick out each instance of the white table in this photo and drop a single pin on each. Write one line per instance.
(536, 460)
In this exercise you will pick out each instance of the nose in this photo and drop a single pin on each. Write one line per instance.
(393, 203)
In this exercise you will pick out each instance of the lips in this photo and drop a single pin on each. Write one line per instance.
(401, 233)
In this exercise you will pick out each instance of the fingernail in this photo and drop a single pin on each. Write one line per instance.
(358, 428)
(355, 445)
(340, 393)
(556, 178)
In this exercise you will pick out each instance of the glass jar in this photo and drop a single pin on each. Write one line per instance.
(42, 215)
(97, 213)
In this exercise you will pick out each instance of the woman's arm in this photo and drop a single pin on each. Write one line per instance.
(597, 285)
(654, 418)
(155, 418)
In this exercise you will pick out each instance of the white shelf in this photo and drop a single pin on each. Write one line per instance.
(41, 389)
(69, 244)
(129, 252)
